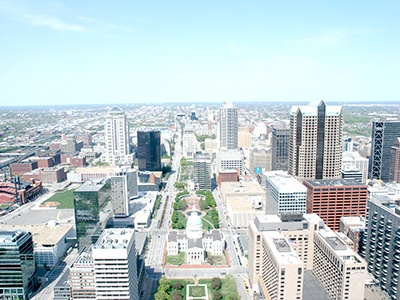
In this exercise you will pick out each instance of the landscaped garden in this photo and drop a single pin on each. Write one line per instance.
(186, 289)
(64, 198)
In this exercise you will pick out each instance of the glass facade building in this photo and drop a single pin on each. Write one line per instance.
(17, 265)
(91, 203)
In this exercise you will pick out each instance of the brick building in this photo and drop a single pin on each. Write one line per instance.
(22, 168)
(333, 199)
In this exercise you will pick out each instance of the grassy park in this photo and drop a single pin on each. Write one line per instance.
(65, 198)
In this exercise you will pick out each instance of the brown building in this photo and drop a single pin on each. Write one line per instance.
(46, 175)
(333, 199)
(394, 170)
(228, 176)
(45, 162)
(74, 161)
(22, 168)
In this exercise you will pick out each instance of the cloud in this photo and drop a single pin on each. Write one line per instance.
(53, 23)
(334, 36)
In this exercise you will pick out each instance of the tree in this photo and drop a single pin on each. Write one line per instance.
(180, 225)
(218, 296)
(176, 295)
(216, 283)
(177, 285)
(161, 295)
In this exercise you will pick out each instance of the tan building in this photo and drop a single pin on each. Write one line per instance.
(244, 201)
(338, 268)
(244, 137)
(315, 143)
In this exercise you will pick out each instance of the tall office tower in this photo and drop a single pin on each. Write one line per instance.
(382, 243)
(228, 126)
(333, 199)
(355, 159)
(394, 171)
(347, 144)
(384, 135)
(17, 265)
(123, 188)
(114, 258)
(285, 195)
(92, 210)
(230, 160)
(81, 277)
(280, 149)
(324, 258)
(189, 141)
(315, 145)
(117, 138)
(202, 171)
(149, 150)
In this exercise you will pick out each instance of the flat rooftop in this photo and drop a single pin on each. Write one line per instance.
(335, 182)
(284, 182)
(281, 249)
(241, 188)
(43, 235)
(91, 186)
(114, 238)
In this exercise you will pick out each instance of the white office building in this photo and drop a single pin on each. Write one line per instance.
(114, 258)
(228, 127)
(189, 141)
(117, 138)
(230, 160)
(123, 188)
(285, 195)
(354, 161)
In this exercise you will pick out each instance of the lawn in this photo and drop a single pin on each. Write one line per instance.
(206, 225)
(217, 260)
(64, 197)
(197, 291)
(176, 260)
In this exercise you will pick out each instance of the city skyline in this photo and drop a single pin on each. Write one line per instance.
(79, 53)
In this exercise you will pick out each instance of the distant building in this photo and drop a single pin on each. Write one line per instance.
(17, 265)
(394, 171)
(260, 159)
(117, 138)
(354, 161)
(91, 200)
(123, 187)
(227, 176)
(285, 195)
(149, 150)
(280, 149)
(244, 138)
(228, 132)
(230, 160)
(202, 171)
(384, 135)
(315, 145)
(333, 199)
(189, 141)
(22, 168)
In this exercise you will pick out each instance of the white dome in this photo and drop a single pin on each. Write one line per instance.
(194, 220)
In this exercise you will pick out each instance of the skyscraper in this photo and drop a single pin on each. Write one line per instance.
(384, 134)
(123, 188)
(202, 171)
(17, 265)
(228, 126)
(394, 171)
(315, 145)
(117, 138)
(90, 199)
(149, 150)
(280, 149)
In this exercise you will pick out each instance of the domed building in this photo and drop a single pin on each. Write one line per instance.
(194, 242)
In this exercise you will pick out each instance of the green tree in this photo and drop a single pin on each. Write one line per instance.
(216, 283)
(176, 295)
(177, 285)
(218, 296)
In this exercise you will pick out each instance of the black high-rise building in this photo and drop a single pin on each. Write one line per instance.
(149, 150)
(384, 134)
(17, 265)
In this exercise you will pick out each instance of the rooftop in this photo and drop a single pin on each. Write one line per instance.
(312, 110)
(281, 249)
(284, 182)
(114, 239)
(43, 235)
(335, 182)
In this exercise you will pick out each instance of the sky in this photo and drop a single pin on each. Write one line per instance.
(106, 52)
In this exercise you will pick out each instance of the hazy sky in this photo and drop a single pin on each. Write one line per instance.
(68, 52)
